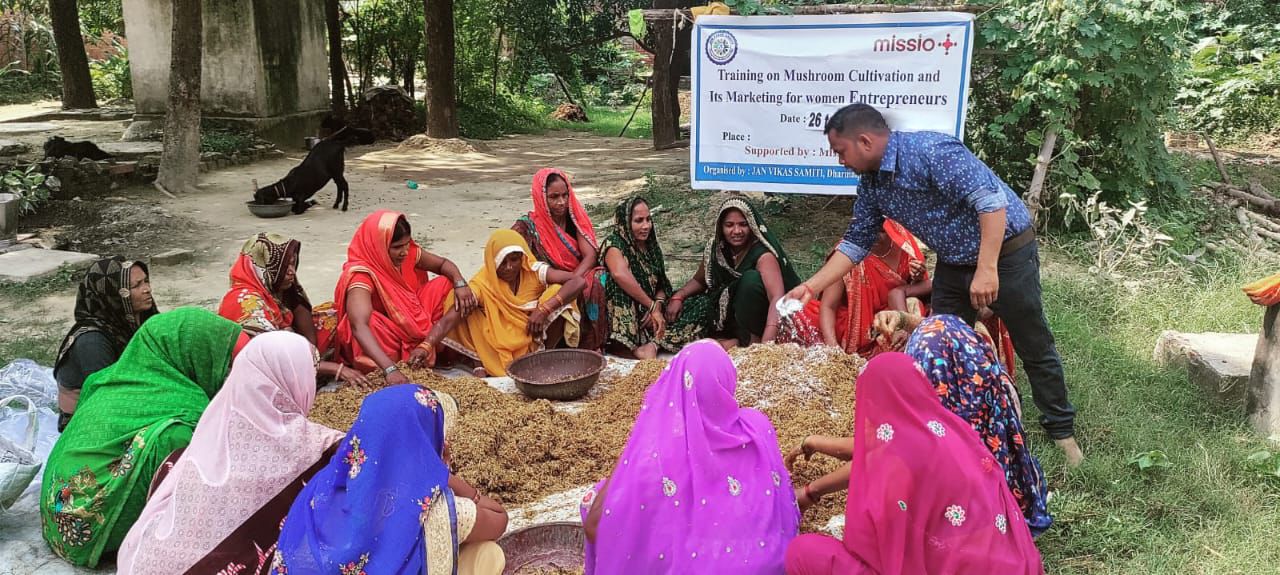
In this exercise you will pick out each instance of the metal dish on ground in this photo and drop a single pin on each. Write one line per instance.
(279, 209)
(544, 547)
(560, 374)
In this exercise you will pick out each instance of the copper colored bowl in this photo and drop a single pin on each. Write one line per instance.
(557, 545)
(560, 374)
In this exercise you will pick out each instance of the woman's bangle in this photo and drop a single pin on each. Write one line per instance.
(676, 298)
(338, 376)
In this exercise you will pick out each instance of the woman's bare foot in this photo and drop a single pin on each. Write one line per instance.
(479, 372)
(1072, 450)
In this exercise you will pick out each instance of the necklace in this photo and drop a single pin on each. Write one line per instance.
(885, 254)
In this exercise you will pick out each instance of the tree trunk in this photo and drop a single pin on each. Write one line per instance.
(337, 71)
(77, 87)
(441, 99)
(1035, 193)
(180, 160)
(409, 64)
(671, 60)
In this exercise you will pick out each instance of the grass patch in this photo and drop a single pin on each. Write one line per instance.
(609, 122)
(64, 279)
(1210, 511)
(226, 142)
(41, 346)
(18, 87)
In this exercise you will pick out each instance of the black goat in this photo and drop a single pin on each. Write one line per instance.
(58, 147)
(326, 161)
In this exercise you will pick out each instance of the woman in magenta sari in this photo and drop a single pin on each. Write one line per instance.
(925, 496)
(700, 486)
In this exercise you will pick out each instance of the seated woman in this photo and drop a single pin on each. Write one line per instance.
(744, 271)
(925, 496)
(893, 272)
(386, 502)
(218, 503)
(970, 382)
(385, 302)
(725, 505)
(560, 233)
(265, 296)
(638, 288)
(523, 302)
(113, 301)
(131, 416)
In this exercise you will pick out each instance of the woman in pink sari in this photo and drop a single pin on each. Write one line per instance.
(700, 486)
(925, 496)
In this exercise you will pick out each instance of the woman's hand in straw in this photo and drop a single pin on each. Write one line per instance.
(423, 356)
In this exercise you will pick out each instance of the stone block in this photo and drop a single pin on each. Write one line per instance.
(131, 150)
(12, 147)
(26, 265)
(172, 257)
(1218, 363)
(122, 168)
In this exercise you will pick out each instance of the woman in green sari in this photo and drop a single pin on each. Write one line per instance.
(744, 271)
(638, 287)
(130, 417)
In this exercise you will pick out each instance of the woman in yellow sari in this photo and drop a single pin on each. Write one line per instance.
(523, 304)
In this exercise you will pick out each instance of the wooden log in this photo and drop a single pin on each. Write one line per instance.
(1268, 234)
(1262, 396)
(1270, 207)
(1217, 160)
(1034, 192)
(1263, 221)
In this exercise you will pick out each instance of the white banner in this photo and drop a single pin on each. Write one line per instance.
(764, 87)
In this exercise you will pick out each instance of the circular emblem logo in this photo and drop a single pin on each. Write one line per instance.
(722, 46)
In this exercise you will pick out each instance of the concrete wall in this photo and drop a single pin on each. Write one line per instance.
(264, 61)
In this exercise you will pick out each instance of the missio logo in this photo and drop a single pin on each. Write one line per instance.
(916, 44)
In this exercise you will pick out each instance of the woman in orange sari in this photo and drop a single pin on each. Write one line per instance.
(385, 301)
(560, 233)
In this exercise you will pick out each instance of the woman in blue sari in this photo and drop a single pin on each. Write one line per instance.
(387, 504)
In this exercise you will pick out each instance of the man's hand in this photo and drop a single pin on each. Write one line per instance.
(985, 287)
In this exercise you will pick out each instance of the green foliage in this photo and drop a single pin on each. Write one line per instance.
(225, 141)
(482, 115)
(21, 87)
(383, 40)
(30, 186)
(98, 16)
(111, 76)
(1150, 461)
(1103, 74)
(1232, 89)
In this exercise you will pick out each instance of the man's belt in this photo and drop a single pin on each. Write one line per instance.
(1019, 241)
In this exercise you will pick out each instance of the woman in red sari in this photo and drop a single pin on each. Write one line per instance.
(265, 296)
(560, 233)
(891, 278)
(385, 301)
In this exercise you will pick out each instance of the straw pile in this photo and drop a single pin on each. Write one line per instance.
(426, 143)
(521, 451)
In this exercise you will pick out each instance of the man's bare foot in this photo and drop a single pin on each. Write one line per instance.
(1072, 450)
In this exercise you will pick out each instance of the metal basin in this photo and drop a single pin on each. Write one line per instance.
(557, 545)
(560, 374)
(277, 210)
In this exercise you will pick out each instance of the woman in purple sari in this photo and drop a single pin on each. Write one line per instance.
(700, 486)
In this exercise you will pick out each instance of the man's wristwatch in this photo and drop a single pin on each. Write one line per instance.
(459, 284)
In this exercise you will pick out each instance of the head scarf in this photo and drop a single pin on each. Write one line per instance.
(130, 417)
(504, 322)
(647, 265)
(717, 262)
(700, 486)
(560, 248)
(396, 288)
(252, 442)
(255, 280)
(970, 382)
(925, 495)
(103, 304)
(364, 512)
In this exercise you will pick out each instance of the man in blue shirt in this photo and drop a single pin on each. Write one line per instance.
(982, 232)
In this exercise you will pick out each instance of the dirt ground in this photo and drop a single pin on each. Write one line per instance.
(460, 198)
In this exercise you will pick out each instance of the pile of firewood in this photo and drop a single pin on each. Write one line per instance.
(388, 111)
(1256, 209)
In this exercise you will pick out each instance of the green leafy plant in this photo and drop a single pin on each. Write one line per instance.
(1265, 464)
(1232, 87)
(224, 141)
(30, 186)
(1150, 461)
(111, 76)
